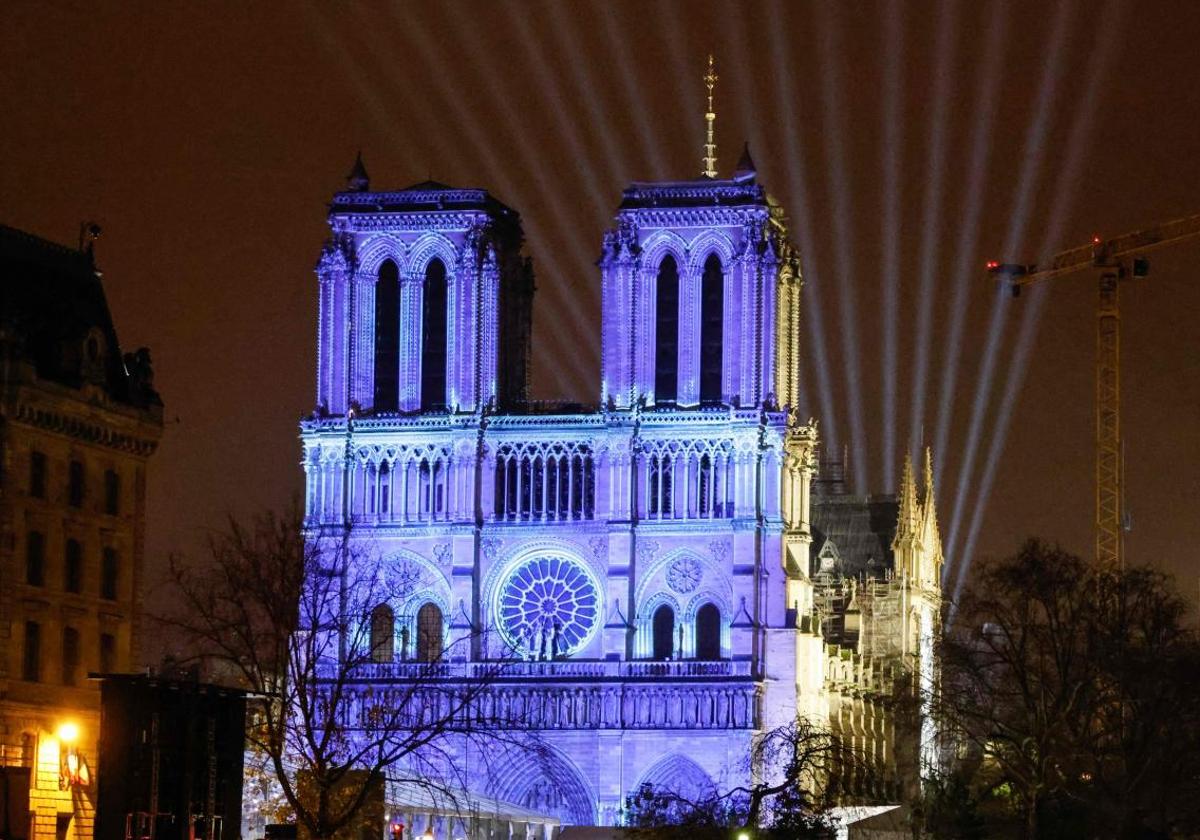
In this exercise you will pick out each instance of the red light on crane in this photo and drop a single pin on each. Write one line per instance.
(992, 264)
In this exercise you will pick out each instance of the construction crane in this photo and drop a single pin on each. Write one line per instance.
(1113, 261)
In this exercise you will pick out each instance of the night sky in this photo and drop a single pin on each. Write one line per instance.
(909, 143)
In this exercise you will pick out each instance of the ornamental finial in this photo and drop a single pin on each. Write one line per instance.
(710, 117)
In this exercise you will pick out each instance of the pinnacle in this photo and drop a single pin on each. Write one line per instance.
(928, 478)
(908, 514)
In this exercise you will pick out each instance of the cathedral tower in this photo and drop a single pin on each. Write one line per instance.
(425, 301)
(698, 288)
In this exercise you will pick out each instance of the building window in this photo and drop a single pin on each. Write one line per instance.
(73, 568)
(664, 632)
(112, 492)
(712, 325)
(35, 559)
(383, 634)
(433, 338)
(37, 475)
(31, 661)
(429, 633)
(110, 571)
(70, 655)
(387, 338)
(108, 653)
(660, 487)
(666, 332)
(704, 494)
(75, 484)
(708, 633)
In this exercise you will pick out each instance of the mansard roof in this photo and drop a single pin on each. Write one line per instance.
(51, 301)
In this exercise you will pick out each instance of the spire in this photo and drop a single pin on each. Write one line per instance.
(710, 117)
(358, 180)
(745, 170)
(931, 537)
(909, 515)
(929, 497)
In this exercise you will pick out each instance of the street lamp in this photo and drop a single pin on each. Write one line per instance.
(70, 766)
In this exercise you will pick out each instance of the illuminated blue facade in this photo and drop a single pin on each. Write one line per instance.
(648, 561)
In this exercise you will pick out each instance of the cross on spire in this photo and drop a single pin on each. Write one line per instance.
(710, 117)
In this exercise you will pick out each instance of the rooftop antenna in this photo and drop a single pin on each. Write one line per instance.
(89, 232)
(710, 117)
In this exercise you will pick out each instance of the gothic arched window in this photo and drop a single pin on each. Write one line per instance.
(712, 317)
(664, 632)
(387, 338)
(708, 632)
(383, 633)
(429, 633)
(666, 333)
(433, 338)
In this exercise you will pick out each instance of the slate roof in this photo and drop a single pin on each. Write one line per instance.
(860, 528)
(51, 299)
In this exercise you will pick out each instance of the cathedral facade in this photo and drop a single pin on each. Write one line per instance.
(647, 567)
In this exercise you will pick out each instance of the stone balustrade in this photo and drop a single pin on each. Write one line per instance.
(564, 669)
(627, 706)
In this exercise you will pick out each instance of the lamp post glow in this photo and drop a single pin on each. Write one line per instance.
(70, 767)
(68, 732)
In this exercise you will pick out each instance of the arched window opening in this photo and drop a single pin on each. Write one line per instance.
(544, 485)
(660, 489)
(708, 633)
(429, 633)
(712, 318)
(385, 488)
(387, 338)
(664, 632)
(704, 493)
(666, 333)
(383, 634)
(433, 338)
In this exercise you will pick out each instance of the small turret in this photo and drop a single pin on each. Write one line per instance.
(358, 180)
(745, 170)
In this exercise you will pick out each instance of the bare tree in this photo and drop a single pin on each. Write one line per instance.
(290, 620)
(1074, 689)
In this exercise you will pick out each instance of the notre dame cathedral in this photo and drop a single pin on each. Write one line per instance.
(672, 571)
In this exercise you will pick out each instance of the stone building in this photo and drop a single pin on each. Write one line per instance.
(78, 422)
(648, 562)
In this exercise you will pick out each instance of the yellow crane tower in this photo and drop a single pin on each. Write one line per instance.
(1113, 261)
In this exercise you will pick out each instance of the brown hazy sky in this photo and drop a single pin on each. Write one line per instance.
(207, 137)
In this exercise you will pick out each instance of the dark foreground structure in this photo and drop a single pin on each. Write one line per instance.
(172, 756)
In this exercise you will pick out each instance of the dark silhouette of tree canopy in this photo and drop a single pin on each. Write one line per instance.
(1072, 693)
(794, 771)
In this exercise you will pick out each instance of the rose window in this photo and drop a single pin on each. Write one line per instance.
(548, 606)
(684, 574)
